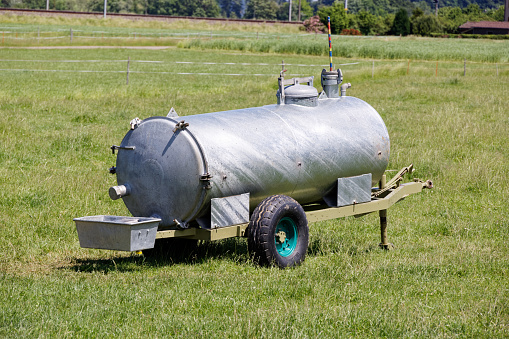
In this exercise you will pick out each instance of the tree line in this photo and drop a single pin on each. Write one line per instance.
(417, 19)
(247, 9)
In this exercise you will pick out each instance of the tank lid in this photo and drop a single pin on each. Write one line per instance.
(300, 91)
(299, 95)
(165, 174)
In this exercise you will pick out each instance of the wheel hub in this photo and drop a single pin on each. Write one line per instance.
(285, 237)
(281, 237)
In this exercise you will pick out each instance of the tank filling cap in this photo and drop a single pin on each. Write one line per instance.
(331, 81)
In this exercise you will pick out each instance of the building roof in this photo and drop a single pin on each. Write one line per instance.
(485, 24)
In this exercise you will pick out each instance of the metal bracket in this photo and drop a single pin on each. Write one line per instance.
(298, 81)
(180, 224)
(280, 82)
(227, 211)
(172, 113)
(425, 184)
(206, 177)
(394, 182)
(206, 180)
(180, 126)
(135, 123)
(114, 147)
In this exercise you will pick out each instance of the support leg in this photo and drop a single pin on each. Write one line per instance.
(384, 244)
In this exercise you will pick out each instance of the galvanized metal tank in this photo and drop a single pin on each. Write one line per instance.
(171, 168)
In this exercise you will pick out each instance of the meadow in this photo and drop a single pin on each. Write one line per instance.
(21, 31)
(447, 276)
(18, 30)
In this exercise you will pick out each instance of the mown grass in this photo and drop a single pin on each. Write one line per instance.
(446, 278)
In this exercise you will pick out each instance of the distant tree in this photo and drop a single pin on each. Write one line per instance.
(451, 18)
(232, 8)
(383, 7)
(366, 22)
(425, 25)
(137, 6)
(261, 9)
(473, 11)
(401, 25)
(496, 14)
(417, 12)
(199, 13)
(376, 25)
(339, 19)
(163, 7)
(198, 8)
(306, 11)
(369, 6)
(451, 13)
(30, 4)
(424, 7)
(210, 8)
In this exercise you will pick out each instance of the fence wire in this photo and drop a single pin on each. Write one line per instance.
(366, 68)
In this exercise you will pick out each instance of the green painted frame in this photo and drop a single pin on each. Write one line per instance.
(314, 213)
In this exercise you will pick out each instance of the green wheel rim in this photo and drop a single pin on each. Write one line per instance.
(285, 237)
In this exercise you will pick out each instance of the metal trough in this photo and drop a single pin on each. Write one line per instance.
(120, 233)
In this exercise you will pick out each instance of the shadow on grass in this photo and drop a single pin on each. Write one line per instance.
(233, 250)
(320, 246)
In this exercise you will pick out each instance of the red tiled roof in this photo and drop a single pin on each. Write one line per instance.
(485, 24)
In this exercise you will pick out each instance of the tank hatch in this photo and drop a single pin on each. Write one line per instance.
(292, 92)
(301, 95)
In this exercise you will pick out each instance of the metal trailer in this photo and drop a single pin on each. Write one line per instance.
(217, 175)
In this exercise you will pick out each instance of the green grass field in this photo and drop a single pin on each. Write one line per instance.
(29, 30)
(25, 31)
(446, 278)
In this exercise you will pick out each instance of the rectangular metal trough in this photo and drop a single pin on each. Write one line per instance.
(120, 233)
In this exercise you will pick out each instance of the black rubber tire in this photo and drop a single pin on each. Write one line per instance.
(262, 227)
(175, 248)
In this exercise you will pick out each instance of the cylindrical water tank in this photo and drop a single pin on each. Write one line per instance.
(173, 169)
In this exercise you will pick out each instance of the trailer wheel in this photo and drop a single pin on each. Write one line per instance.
(278, 232)
(178, 249)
